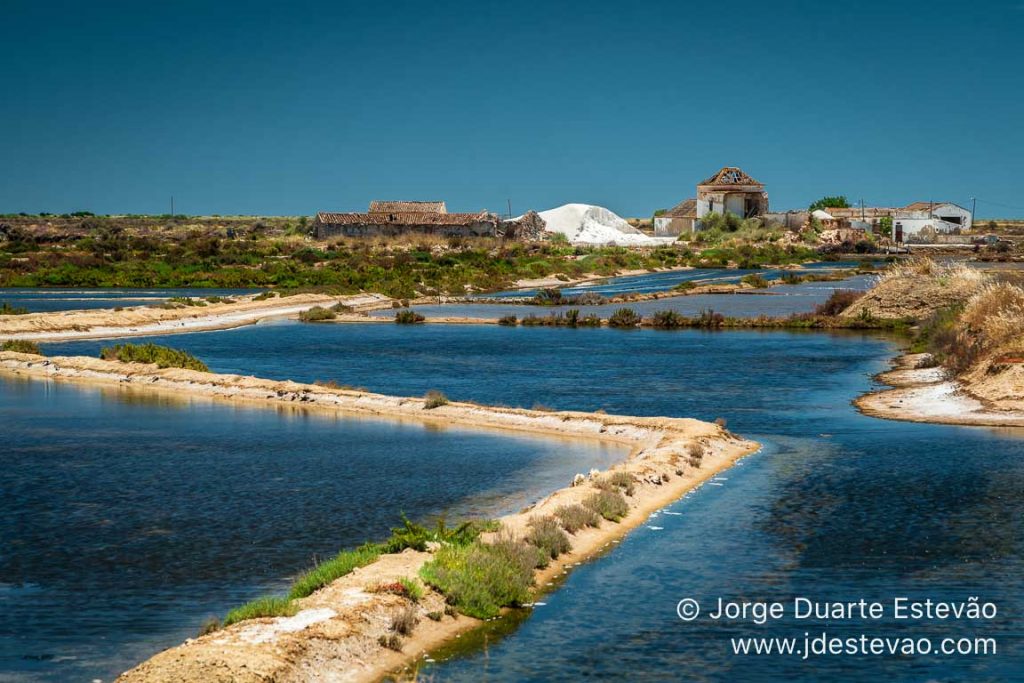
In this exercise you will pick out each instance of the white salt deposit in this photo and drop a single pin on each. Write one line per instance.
(589, 224)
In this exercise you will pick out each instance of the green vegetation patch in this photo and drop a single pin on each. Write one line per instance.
(338, 566)
(21, 346)
(162, 356)
(482, 578)
(267, 606)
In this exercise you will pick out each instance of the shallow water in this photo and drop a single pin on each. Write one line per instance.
(41, 299)
(130, 518)
(839, 506)
(663, 281)
(775, 301)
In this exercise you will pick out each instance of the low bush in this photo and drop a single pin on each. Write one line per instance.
(162, 356)
(404, 620)
(267, 606)
(7, 309)
(508, 320)
(589, 320)
(547, 535)
(391, 641)
(434, 399)
(837, 302)
(211, 625)
(408, 317)
(263, 296)
(695, 454)
(186, 301)
(668, 320)
(482, 578)
(413, 589)
(316, 314)
(340, 565)
(624, 481)
(755, 280)
(624, 317)
(609, 504)
(435, 615)
(21, 346)
(575, 517)
(709, 319)
(416, 536)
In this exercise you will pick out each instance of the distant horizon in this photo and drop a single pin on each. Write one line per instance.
(324, 106)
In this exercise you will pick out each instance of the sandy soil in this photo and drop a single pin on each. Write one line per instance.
(151, 320)
(927, 394)
(334, 637)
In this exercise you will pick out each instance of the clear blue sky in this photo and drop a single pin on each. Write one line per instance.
(293, 107)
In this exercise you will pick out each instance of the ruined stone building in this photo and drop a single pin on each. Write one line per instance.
(729, 190)
(394, 218)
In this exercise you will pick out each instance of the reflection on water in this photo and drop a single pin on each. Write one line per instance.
(838, 506)
(131, 517)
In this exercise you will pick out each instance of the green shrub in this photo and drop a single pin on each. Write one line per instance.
(434, 399)
(267, 606)
(435, 615)
(340, 565)
(547, 535)
(837, 302)
(7, 309)
(668, 320)
(508, 320)
(416, 536)
(408, 317)
(482, 578)
(162, 356)
(186, 301)
(624, 317)
(755, 280)
(622, 480)
(21, 346)
(413, 588)
(575, 517)
(589, 320)
(609, 504)
(263, 296)
(316, 314)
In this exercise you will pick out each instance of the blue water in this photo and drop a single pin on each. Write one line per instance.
(129, 518)
(663, 281)
(775, 301)
(838, 506)
(38, 300)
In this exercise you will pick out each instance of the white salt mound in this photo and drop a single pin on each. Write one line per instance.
(589, 224)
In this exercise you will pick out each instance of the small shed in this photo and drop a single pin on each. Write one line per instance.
(678, 220)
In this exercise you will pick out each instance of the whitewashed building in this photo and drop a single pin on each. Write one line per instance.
(924, 222)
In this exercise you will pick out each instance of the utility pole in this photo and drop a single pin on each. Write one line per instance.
(172, 206)
(510, 209)
(862, 210)
(974, 205)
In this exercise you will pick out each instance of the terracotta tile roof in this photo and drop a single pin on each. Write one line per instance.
(730, 175)
(404, 218)
(684, 209)
(378, 206)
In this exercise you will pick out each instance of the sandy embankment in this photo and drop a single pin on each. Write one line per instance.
(927, 394)
(335, 634)
(154, 320)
